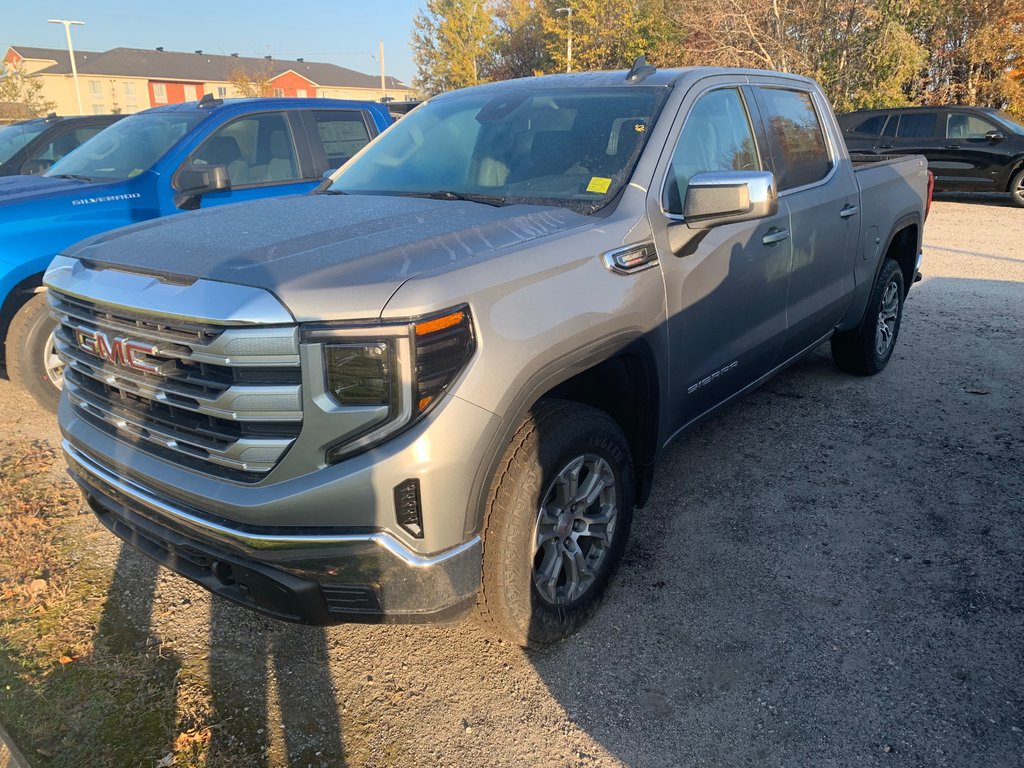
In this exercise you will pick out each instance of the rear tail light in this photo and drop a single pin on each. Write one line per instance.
(931, 190)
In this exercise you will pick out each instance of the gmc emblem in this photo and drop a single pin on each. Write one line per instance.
(120, 351)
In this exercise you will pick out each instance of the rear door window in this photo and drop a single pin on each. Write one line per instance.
(873, 125)
(342, 133)
(802, 155)
(916, 126)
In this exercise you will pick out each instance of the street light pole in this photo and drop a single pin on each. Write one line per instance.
(71, 52)
(568, 41)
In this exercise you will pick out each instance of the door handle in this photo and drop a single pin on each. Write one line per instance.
(885, 146)
(775, 235)
(848, 211)
(952, 146)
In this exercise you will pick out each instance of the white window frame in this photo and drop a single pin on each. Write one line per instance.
(191, 93)
(160, 93)
(96, 89)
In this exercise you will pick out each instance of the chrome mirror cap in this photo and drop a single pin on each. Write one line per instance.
(727, 197)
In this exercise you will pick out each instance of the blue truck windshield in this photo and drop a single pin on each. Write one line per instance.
(128, 147)
(14, 137)
(572, 148)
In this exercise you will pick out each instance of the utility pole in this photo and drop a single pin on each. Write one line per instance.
(568, 40)
(71, 52)
(383, 84)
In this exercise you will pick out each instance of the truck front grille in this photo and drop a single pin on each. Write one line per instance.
(221, 399)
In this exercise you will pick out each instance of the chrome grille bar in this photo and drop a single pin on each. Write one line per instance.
(202, 374)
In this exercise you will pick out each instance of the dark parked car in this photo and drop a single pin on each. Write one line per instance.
(32, 146)
(968, 148)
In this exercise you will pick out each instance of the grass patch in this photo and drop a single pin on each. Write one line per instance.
(80, 684)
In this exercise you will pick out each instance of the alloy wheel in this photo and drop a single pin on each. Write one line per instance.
(885, 331)
(574, 530)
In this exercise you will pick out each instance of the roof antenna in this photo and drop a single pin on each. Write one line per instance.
(640, 69)
(208, 102)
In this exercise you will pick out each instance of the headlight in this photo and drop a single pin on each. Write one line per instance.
(358, 374)
(382, 379)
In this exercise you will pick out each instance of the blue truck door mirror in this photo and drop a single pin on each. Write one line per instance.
(200, 179)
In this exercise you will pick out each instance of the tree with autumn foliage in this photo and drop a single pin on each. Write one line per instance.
(865, 53)
(252, 80)
(23, 92)
(450, 44)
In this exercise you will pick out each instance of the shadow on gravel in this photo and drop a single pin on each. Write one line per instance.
(273, 663)
(272, 699)
(976, 198)
(829, 573)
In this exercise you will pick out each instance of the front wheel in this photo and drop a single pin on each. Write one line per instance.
(866, 349)
(32, 361)
(560, 510)
(1017, 189)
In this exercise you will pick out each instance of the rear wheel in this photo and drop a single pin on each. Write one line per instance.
(866, 349)
(32, 361)
(1017, 189)
(558, 519)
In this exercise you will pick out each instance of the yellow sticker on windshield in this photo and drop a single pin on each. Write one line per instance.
(598, 184)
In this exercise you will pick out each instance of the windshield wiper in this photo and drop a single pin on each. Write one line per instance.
(74, 176)
(468, 196)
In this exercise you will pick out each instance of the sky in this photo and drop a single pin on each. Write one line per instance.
(343, 32)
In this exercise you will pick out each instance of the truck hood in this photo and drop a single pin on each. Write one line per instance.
(327, 257)
(17, 189)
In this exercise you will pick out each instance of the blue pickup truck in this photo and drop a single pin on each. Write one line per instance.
(165, 160)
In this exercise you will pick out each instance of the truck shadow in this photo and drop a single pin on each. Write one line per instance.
(827, 572)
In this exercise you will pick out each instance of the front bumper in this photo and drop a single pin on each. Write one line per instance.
(311, 579)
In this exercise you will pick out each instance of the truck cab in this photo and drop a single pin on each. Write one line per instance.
(152, 164)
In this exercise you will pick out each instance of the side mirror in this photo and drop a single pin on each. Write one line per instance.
(200, 179)
(727, 197)
(35, 167)
(995, 136)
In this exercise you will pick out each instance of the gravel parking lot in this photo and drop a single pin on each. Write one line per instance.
(830, 573)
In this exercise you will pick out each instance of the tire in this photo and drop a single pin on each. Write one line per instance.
(534, 594)
(1017, 189)
(31, 361)
(866, 349)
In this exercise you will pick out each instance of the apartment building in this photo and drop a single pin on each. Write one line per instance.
(131, 79)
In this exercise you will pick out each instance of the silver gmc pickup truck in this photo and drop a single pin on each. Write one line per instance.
(441, 382)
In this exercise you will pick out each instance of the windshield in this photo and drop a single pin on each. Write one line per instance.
(574, 148)
(1009, 122)
(14, 137)
(128, 147)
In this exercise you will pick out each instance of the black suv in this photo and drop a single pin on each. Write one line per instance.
(968, 148)
(32, 146)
